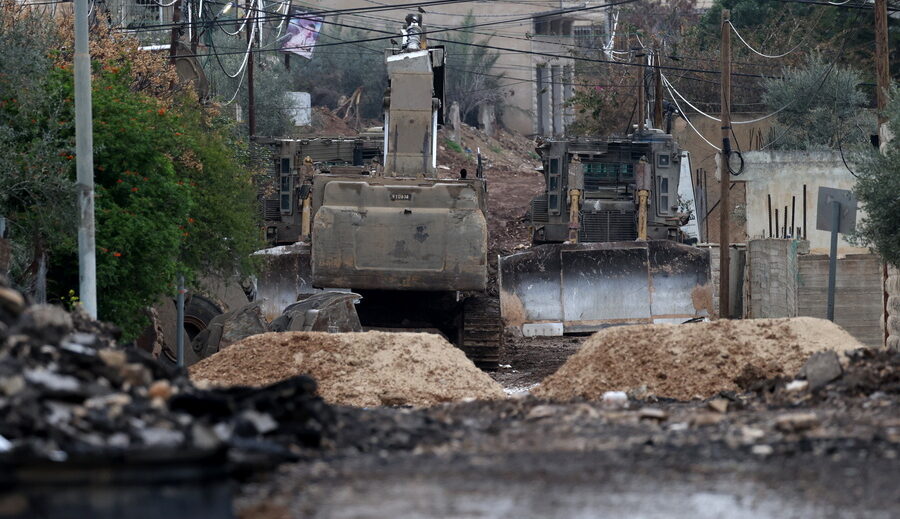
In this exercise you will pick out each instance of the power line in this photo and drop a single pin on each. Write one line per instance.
(733, 28)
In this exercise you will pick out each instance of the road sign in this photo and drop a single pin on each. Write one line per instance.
(848, 203)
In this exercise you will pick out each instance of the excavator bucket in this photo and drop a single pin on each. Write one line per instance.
(574, 288)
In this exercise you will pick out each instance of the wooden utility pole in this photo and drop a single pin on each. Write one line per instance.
(176, 21)
(882, 68)
(657, 85)
(725, 176)
(882, 89)
(251, 100)
(641, 108)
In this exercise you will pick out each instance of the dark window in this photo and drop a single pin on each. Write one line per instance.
(606, 173)
(285, 165)
(662, 160)
(663, 195)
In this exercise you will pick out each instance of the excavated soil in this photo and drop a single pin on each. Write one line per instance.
(684, 361)
(358, 369)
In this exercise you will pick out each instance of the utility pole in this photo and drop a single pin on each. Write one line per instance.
(195, 34)
(176, 30)
(882, 89)
(882, 68)
(641, 102)
(84, 163)
(725, 176)
(251, 101)
(657, 93)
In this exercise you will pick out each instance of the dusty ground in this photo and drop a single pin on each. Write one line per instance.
(771, 453)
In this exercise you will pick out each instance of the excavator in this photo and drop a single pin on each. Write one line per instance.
(409, 242)
(607, 246)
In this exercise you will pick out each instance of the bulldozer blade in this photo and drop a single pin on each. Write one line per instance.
(284, 274)
(587, 287)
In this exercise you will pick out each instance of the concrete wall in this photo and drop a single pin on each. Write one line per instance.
(858, 301)
(771, 290)
(783, 281)
(782, 174)
(892, 290)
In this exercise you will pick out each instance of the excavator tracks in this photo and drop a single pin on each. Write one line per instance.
(482, 331)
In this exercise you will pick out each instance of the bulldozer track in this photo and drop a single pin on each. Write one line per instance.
(482, 333)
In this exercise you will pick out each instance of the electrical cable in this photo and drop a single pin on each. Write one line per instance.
(688, 121)
(246, 55)
(820, 85)
(734, 29)
(170, 4)
(701, 112)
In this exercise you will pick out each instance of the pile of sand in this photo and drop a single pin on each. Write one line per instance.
(359, 369)
(686, 360)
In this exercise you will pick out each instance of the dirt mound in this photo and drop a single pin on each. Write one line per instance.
(359, 369)
(686, 360)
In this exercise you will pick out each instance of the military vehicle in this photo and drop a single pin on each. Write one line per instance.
(411, 243)
(606, 240)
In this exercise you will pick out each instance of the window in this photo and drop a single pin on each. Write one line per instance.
(606, 173)
(590, 36)
(663, 196)
(662, 160)
(285, 193)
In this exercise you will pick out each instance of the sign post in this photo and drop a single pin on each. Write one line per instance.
(835, 212)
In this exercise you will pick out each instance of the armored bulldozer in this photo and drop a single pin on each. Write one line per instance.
(607, 241)
(411, 243)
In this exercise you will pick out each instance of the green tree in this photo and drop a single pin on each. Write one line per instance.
(877, 188)
(821, 106)
(335, 71)
(172, 195)
(470, 80)
(36, 153)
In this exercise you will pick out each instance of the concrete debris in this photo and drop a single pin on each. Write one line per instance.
(796, 422)
(653, 413)
(540, 412)
(821, 368)
(796, 385)
(68, 389)
(762, 450)
(11, 301)
(614, 399)
(719, 405)
(706, 418)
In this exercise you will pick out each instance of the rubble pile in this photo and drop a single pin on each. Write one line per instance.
(67, 389)
(685, 361)
(357, 369)
(864, 374)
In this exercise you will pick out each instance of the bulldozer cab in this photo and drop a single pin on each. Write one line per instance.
(606, 241)
(607, 175)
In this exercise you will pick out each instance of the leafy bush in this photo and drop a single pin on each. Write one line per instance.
(823, 107)
(877, 188)
(171, 194)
